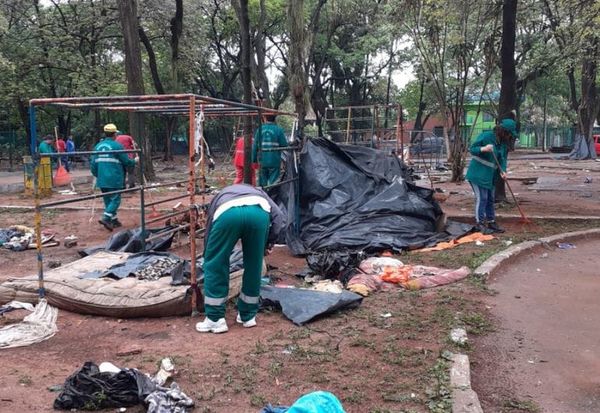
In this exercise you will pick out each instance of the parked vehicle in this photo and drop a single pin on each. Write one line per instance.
(428, 145)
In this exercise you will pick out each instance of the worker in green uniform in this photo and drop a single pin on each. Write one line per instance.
(271, 137)
(238, 212)
(46, 145)
(109, 172)
(488, 164)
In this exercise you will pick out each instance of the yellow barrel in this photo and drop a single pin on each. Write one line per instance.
(44, 175)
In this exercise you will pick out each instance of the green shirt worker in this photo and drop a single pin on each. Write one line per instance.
(238, 212)
(271, 137)
(488, 164)
(109, 172)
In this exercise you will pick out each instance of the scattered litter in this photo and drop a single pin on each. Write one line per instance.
(364, 284)
(67, 192)
(530, 361)
(95, 387)
(54, 264)
(166, 370)
(479, 243)
(301, 305)
(70, 241)
(38, 326)
(329, 286)
(474, 237)
(315, 402)
(508, 243)
(386, 315)
(565, 245)
(587, 180)
(545, 255)
(538, 270)
(459, 336)
(55, 388)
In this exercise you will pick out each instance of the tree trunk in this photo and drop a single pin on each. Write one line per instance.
(508, 86)
(128, 17)
(296, 59)
(589, 97)
(241, 7)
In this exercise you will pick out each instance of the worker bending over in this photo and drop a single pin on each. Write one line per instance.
(238, 212)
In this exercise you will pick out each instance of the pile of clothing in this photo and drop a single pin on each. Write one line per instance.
(373, 274)
(94, 387)
(16, 237)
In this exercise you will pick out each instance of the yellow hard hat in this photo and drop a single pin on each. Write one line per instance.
(110, 128)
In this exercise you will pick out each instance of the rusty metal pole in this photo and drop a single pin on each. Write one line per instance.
(401, 131)
(192, 192)
(398, 134)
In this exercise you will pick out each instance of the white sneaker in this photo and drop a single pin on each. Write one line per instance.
(209, 326)
(247, 324)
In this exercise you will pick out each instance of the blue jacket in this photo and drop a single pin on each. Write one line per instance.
(109, 168)
(483, 170)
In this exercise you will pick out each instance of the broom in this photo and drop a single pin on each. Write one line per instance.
(524, 219)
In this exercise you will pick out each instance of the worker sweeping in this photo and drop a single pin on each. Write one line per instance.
(238, 212)
(109, 172)
(488, 164)
(271, 137)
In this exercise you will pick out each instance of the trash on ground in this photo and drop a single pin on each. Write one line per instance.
(386, 315)
(302, 305)
(95, 387)
(70, 241)
(38, 326)
(315, 402)
(334, 264)
(330, 286)
(15, 305)
(508, 243)
(479, 243)
(459, 336)
(565, 245)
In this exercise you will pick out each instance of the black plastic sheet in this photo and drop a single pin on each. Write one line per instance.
(88, 389)
(130, 240)
(137, 262)
(360, 198)
(302, 306)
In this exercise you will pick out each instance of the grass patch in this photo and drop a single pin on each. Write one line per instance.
(521, 405)
(477, 323)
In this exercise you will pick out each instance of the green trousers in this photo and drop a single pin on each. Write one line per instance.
(111, 204)
(268, 176)
(250, 224)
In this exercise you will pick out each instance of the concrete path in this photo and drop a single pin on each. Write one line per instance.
(547, 350)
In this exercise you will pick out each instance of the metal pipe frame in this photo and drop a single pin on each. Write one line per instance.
(170, 104)
(169, 215)
(88, 197)
(281, 149)
(59, 154)
(164, 201)
(275, 185)
(170, 231)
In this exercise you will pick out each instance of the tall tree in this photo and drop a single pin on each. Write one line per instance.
(297, 60)
(508, 86)
(241, 7)
(128, 16)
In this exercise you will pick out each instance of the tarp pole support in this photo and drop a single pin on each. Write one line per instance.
(142, 201)
(38, 210)
(192, 192)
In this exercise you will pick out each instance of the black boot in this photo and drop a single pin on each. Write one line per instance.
(483, 229)
(494, 227)
(106, 224)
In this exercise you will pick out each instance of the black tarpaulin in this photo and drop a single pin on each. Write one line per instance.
(302, 306)
(360, 198)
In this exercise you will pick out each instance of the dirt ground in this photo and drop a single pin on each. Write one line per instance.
(372, 363)
(545, 350)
